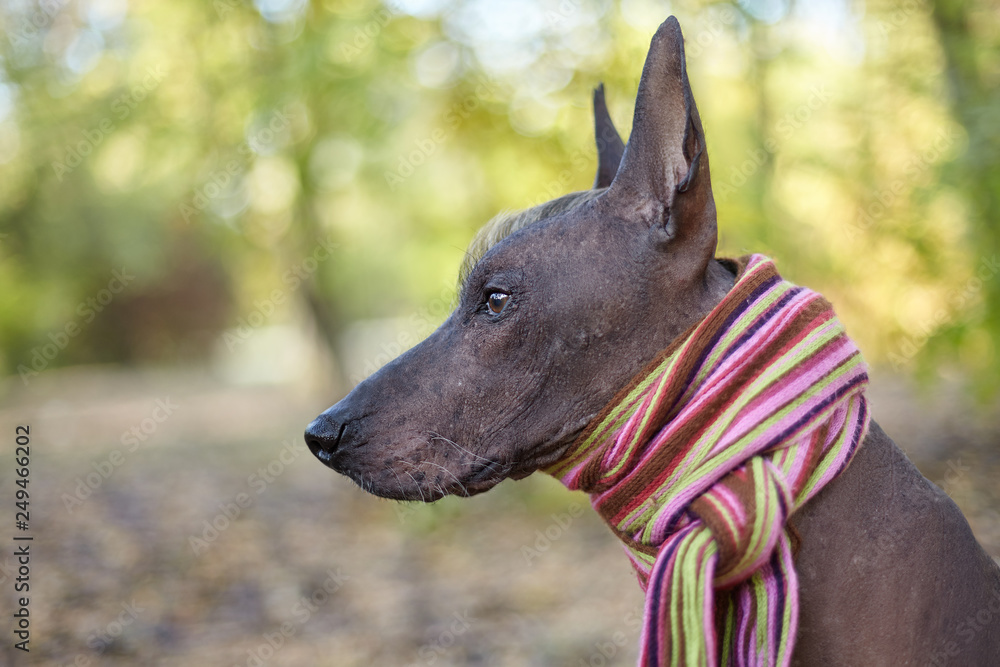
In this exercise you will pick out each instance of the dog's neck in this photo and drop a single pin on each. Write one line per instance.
(698, 462)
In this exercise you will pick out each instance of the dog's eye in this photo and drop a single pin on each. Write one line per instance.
(497, 302)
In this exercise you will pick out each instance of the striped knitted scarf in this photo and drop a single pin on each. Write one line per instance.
(698, 463)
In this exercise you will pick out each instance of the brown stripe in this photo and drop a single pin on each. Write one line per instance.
(815, 454)
(743, 487)
(590, 476)
(663, 458)
(668, 408)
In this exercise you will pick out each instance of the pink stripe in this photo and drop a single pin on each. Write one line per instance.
(718, 380)
(733, 505)
(659, 504)
(772, 400)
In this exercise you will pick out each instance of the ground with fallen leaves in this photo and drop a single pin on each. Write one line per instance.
(221, 541)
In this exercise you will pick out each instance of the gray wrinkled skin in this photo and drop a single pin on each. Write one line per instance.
(890, 573)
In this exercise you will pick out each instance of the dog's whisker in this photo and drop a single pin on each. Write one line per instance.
(438, 436)
(402, 492)
(419, 490)
(457, 480)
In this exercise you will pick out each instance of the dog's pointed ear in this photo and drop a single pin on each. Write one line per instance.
(609, 143)
(663, 179)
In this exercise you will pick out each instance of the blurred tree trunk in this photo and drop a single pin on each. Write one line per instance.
(317, 292)
(969, 34)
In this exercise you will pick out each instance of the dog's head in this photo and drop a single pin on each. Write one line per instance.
(559, 307)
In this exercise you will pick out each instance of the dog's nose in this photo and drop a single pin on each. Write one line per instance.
(323, 437)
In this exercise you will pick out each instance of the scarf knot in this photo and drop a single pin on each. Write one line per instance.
(697, 465)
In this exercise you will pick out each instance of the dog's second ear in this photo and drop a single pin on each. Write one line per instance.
(663, 180)
(609, 143)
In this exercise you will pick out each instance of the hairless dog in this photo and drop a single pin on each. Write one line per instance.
(562, 306)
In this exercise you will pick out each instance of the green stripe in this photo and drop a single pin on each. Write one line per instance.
(739, 327)
(696, 556)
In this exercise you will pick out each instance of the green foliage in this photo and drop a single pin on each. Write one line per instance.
(213, 150)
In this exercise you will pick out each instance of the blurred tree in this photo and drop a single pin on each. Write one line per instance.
(291, 162)
(970, 40)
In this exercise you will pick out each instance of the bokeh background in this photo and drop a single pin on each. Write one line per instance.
(218, 216)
